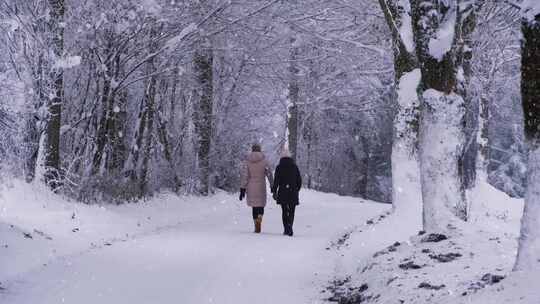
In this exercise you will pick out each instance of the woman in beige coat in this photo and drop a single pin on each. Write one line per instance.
(255, 171)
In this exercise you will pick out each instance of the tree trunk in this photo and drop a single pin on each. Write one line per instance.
(528, 257)
(117, 123)
(203, 120)
(101, 134)
(132, 163)
(150, 96)
(293, 100)
(32, 132)
(473, 119)
(441, 133)
(54, 105)
(106, 128)
(150, 109)
(164, 138)
(406, 190)
(483, 156)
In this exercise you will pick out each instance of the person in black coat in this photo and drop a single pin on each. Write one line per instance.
(286, 187)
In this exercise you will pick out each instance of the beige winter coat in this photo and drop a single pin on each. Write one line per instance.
(254, 172)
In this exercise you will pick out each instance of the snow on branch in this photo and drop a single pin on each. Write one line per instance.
(405, 29)
(443, 39)
(530, 9)
(175, 41)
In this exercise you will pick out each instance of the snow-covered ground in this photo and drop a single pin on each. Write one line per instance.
(169, 249)
(472, 265)
(202, 250)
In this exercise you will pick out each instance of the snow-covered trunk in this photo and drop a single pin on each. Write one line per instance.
(40, 157)
(33, 129)
(54, 104)
(441, 140)
(203, 118)
(470, 157)
(441, 132)
(406, 189)
(31, 137)
(529, 242)
(482, 135)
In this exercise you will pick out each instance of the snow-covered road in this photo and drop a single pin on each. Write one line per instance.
(212, 256)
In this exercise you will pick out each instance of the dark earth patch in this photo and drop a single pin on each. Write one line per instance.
(429, 286)
(409, 265)
(445, 257)
(434, 238)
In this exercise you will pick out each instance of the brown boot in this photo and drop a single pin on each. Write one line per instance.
(258, 224)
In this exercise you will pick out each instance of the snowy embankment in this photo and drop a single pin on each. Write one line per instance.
(37, 226)
(168, 250)
(473, 265)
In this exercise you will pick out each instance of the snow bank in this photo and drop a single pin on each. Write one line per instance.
(517, 288)
(494, 210)
(37, 226)
(471, 266)
(187, 249)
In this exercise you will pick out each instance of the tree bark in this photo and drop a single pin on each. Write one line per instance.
(102, 132)
(164, 138)
(132, 164)
(203, 118)
(150, 109)
(150, 96)
(465, 27)
(528, 257)
(54, 105)
(293, 101)
(108, 125)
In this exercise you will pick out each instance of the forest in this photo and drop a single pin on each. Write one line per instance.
(170, 96)
(418, 104)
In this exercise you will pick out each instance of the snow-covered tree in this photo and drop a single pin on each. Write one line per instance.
(51, 140)
(529, 242)
(406, 189)
(437, 33)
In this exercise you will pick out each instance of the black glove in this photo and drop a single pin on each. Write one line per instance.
(242, 193)
(275, 196)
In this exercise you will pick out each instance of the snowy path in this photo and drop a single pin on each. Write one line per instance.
(211, 257)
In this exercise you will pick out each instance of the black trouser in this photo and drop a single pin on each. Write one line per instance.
(257, 211)
(288, 216)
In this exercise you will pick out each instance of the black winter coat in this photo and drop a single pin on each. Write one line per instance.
(287, 182)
